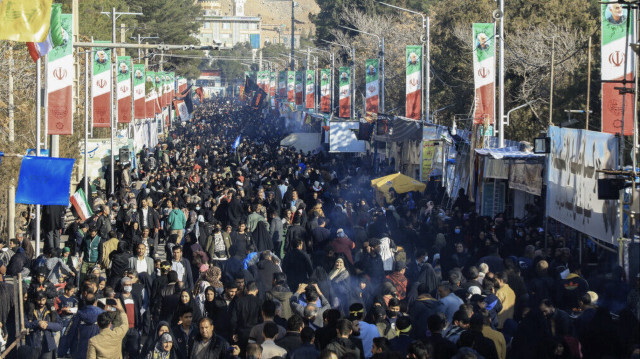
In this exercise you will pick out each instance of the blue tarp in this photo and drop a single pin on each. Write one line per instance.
(44, 180)
(508, 153)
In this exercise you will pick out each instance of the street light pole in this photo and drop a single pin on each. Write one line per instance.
(426, 58)
(501, 78)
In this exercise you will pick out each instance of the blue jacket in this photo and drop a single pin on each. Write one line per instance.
(39, 338)
(83, 327)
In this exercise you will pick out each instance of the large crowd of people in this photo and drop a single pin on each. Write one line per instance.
(207, 250)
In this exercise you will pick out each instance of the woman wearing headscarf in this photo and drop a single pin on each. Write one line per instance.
(184, 301)
(261, 238)
(206, 305)
(164, 348)
(339, 277)
(149, 346)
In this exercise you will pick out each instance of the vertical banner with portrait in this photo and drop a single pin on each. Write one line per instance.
(272, 84)
(60, 74)
(150, 94)
(299, 87)
(101, 86)
(345, 92)
(291, 86)
(138, 92)
(373, 85)
(123, 89)
(282, 84)
(617, 63)
(310, 88)
(158, 90)
(484, 64)
(325, 90)
(413, 61)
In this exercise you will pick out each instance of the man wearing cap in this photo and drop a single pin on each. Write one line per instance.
(362, 330)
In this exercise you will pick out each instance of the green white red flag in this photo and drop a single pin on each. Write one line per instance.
(373, 84)
(56, 36)
(151, 95)
(272, 84)
(310, 88)
(299, 87)
(60, 74)
(345, 92)
(615, 55)
(414, 82)
(101, 87)
(80, 203)
(138, 91)
(484, 64)
(325, 90)
(123, 89)
(291, 86)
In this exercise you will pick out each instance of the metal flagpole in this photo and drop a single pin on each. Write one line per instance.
(501, 78)
(46, 102)
(38, 144)
(112, 131)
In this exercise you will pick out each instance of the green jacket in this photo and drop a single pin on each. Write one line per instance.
(176, 220)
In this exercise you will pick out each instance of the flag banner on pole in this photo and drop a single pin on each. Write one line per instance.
(310, 88)
(373, 86)
(138, 91)
(101, 87)
(299, 87)
(200, 93)
(325, 90)
(124, 89)
(60, 74)
(236, 143)
(260, 79)
(182, 84)
(615, 22)
(150, 96)
(484, 64)
(414, 82)
(158, 89)
(80, 203)
(25, 21)
(282, 84)
(167, 88)
(44, 180)
(345, 92)
(291, 86)
(172, 85)
(55, 37)
(272, 84)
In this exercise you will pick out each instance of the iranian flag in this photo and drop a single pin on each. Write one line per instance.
(181, 109)
(484, 64)
(60, 74)
(345, 92)
(291, 86)
(101, 87)
(272, 84)
(325, 90)
(123, 89)
(299, 87)
(414, 82)
(310, 88)
(151, 94)
(172, 85)
(373, 85)
(182, 85)
(138, 91)
(282, 84)
(158, 89)
(161, 87)
(615, 22)
(80, 203)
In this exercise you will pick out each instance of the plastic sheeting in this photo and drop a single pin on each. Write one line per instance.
(305, 142)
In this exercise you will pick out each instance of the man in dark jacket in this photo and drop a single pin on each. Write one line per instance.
(424, 307)
(307, 350)
(292, 341)
(19, 260)
(208, 345)
(52, 224)
(297, 265)
(342, 345)
(42, 323)
(245, 314)
(474, 339)
(83, 327)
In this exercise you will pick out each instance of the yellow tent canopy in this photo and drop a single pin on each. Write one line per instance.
(399, 182)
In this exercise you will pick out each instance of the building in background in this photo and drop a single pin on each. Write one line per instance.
(256, 21)
(211, 83)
